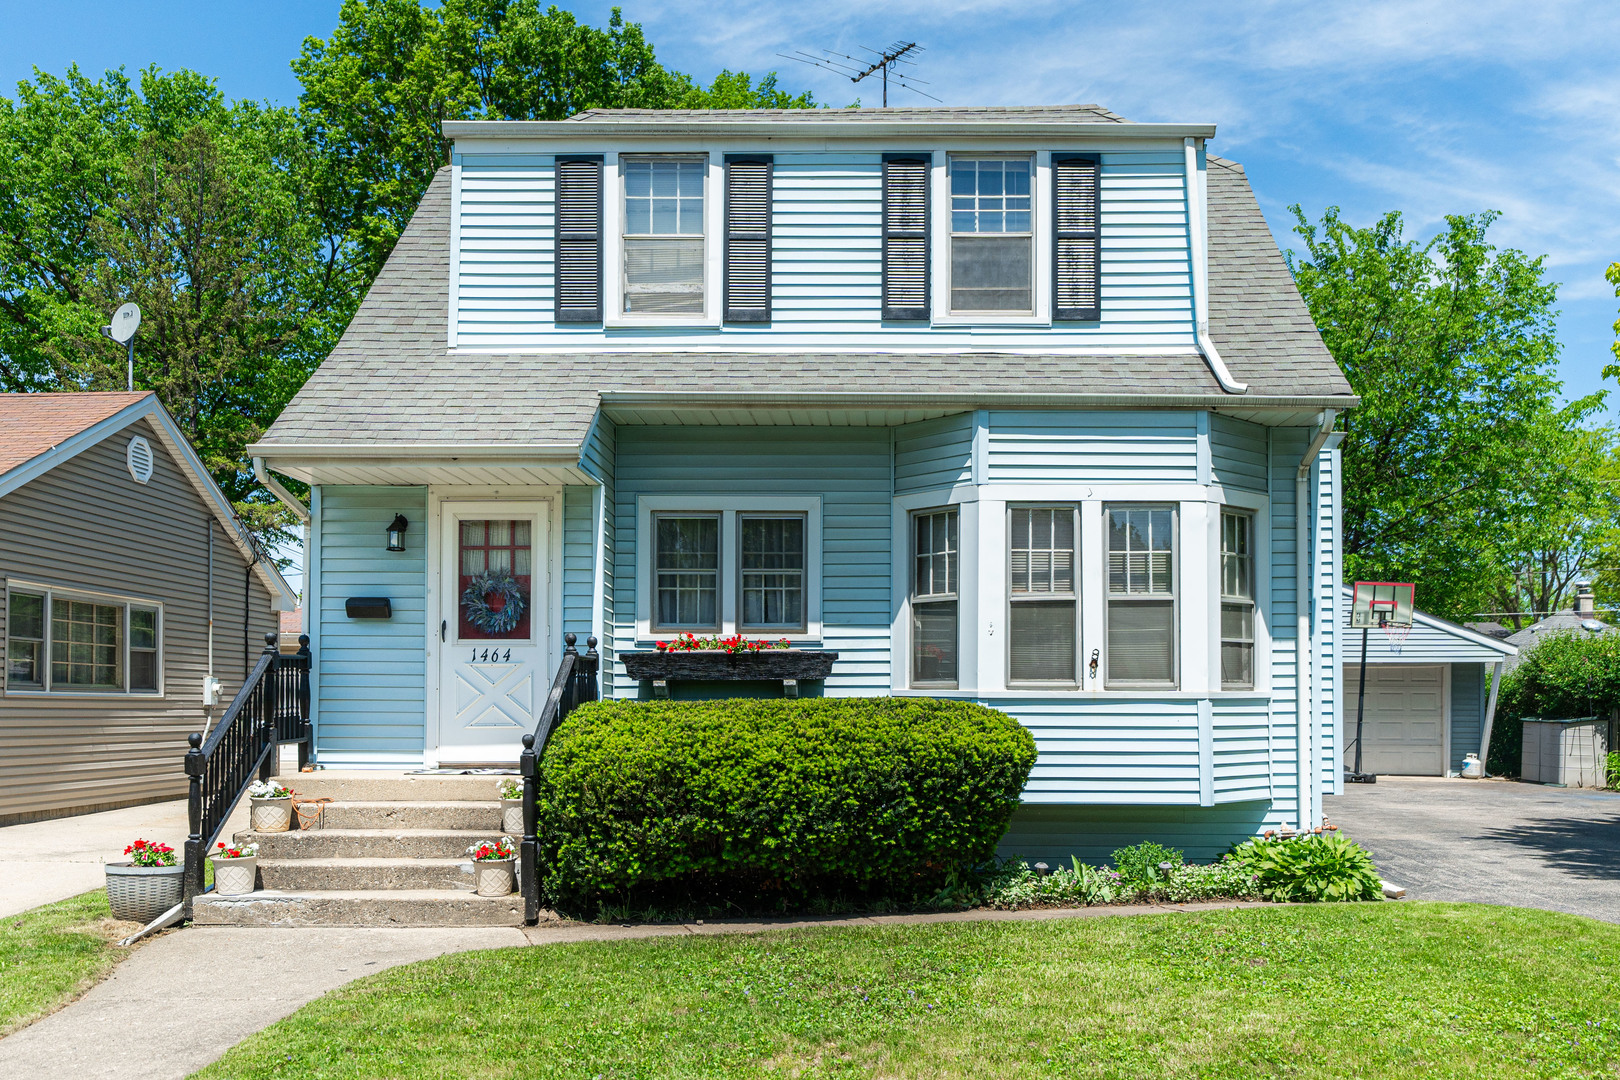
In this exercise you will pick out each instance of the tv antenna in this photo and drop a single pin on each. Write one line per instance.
(855, 69)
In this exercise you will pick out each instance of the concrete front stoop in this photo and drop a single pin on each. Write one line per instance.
(390, 850)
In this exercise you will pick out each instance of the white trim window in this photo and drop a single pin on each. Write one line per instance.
(935, 585)
(1042, 595)
(663, 271)
(1141, 612)
(71, 643)
(992, 238)
(687, 564)
(1237, 601)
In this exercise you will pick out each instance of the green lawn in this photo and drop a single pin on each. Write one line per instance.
(1369, 990)
(50, 955)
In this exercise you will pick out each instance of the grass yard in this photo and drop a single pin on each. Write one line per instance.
(50, 955)
(1352, 990)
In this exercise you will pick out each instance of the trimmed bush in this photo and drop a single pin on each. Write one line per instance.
(762, 803)
(1567, 674)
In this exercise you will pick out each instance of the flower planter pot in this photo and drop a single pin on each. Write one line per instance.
(272, 815)
(512, 817)
(235, 877)
(142, 893)
(494, 877)
(711, 664)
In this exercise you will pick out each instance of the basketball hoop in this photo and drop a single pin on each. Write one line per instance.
(1388, 606)
(1384, 616)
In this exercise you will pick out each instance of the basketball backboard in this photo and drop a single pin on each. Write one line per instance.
(1382, 603)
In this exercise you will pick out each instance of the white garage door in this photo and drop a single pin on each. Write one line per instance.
(1402, 725)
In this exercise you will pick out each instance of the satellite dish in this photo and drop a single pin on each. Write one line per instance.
(125, 321)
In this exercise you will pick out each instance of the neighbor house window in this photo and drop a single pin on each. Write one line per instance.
(1237, 601)
(773, 563)
(663, 235)
(71, 643)
(1141, 596)
(25, 640)
(1041, 622)
(992, 245)
(687, 571)
(934, 584)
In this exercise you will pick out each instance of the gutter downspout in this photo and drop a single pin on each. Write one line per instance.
(1198, 241)
(1305, 728)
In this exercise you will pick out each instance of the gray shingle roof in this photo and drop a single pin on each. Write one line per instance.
(391, 379)
(1056, 114)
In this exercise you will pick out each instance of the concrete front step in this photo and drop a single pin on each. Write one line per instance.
(361, 786)
(472, 816)
(366, 843)
(358, 907)
(296, 875)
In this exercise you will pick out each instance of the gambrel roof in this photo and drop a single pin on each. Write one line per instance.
(392, 380)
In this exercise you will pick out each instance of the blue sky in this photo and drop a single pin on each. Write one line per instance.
(1425, 106)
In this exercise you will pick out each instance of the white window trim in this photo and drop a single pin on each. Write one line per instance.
(1041, 235)
(50, 592)
(614, 315)
(729, 507)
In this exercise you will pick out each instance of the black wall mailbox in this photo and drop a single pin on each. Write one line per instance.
(368, 607)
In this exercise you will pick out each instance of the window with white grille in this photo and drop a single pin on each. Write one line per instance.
(663, 235)
(1141, 611)
(934, 587)
(1042, 625)
(1237, 601)
(992, 235)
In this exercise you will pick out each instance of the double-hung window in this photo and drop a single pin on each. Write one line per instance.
(992, 238)
(1042, 638)
(773, 558)
(936, 539)
(1237, 601)
(1141, 596)
(687, 572)
(663, 235)
(71, 643)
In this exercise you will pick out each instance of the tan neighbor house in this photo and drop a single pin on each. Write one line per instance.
(116, 551)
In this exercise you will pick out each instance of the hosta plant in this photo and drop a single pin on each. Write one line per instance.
(268, 789)
(236, 851)
(493, 850)
(149, 853)
(1312, 867)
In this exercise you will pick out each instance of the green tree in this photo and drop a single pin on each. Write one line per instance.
(1456, 460)
(376, 92)
(198, 211)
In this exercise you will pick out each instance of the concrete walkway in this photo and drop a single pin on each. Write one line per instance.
(199, 992)
(46, 861)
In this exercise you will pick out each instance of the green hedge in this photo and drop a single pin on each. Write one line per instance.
(1568, 674)
(773, 803)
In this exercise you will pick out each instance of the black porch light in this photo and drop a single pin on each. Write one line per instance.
(396, 533)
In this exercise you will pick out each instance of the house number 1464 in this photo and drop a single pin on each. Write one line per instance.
(490, 656)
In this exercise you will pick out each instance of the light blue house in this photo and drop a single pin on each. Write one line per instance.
(1013, 405)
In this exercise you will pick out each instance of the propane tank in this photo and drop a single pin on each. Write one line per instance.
(1472, 768)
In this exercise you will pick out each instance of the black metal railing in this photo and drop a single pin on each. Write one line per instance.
(574, 685)
(271, 708)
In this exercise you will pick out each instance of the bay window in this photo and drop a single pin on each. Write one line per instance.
(1141, 610)
(934, 586)
(1042, 597)
(1237, 601)
(663, 235)
(992, 238)
(73, 643)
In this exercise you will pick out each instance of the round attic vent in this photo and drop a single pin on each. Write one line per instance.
(139, 457)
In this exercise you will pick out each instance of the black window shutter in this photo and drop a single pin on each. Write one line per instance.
(747, 286)
(1076, 237)
(905, 236)
(577, 281)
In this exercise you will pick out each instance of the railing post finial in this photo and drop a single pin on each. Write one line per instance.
(568, 644)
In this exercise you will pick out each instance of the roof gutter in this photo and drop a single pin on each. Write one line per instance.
(759, 399)
(300, 511)
(347, 451)
(1197, 225)
(592, 130)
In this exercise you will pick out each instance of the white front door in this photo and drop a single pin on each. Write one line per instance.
(1402, 722)
(494, 627)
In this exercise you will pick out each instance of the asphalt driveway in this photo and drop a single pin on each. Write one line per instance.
(1490, 841)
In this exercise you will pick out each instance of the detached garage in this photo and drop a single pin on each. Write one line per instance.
(1428, 704)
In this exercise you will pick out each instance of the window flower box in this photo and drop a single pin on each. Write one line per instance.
(712, 665)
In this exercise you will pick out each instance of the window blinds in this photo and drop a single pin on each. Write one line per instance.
(578, 221)
(1076, 243)
(748, 238)
(905, 236)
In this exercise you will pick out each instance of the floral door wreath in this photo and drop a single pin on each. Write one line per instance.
(497, 618)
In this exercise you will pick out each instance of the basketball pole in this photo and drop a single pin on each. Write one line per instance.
(1357, 776)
